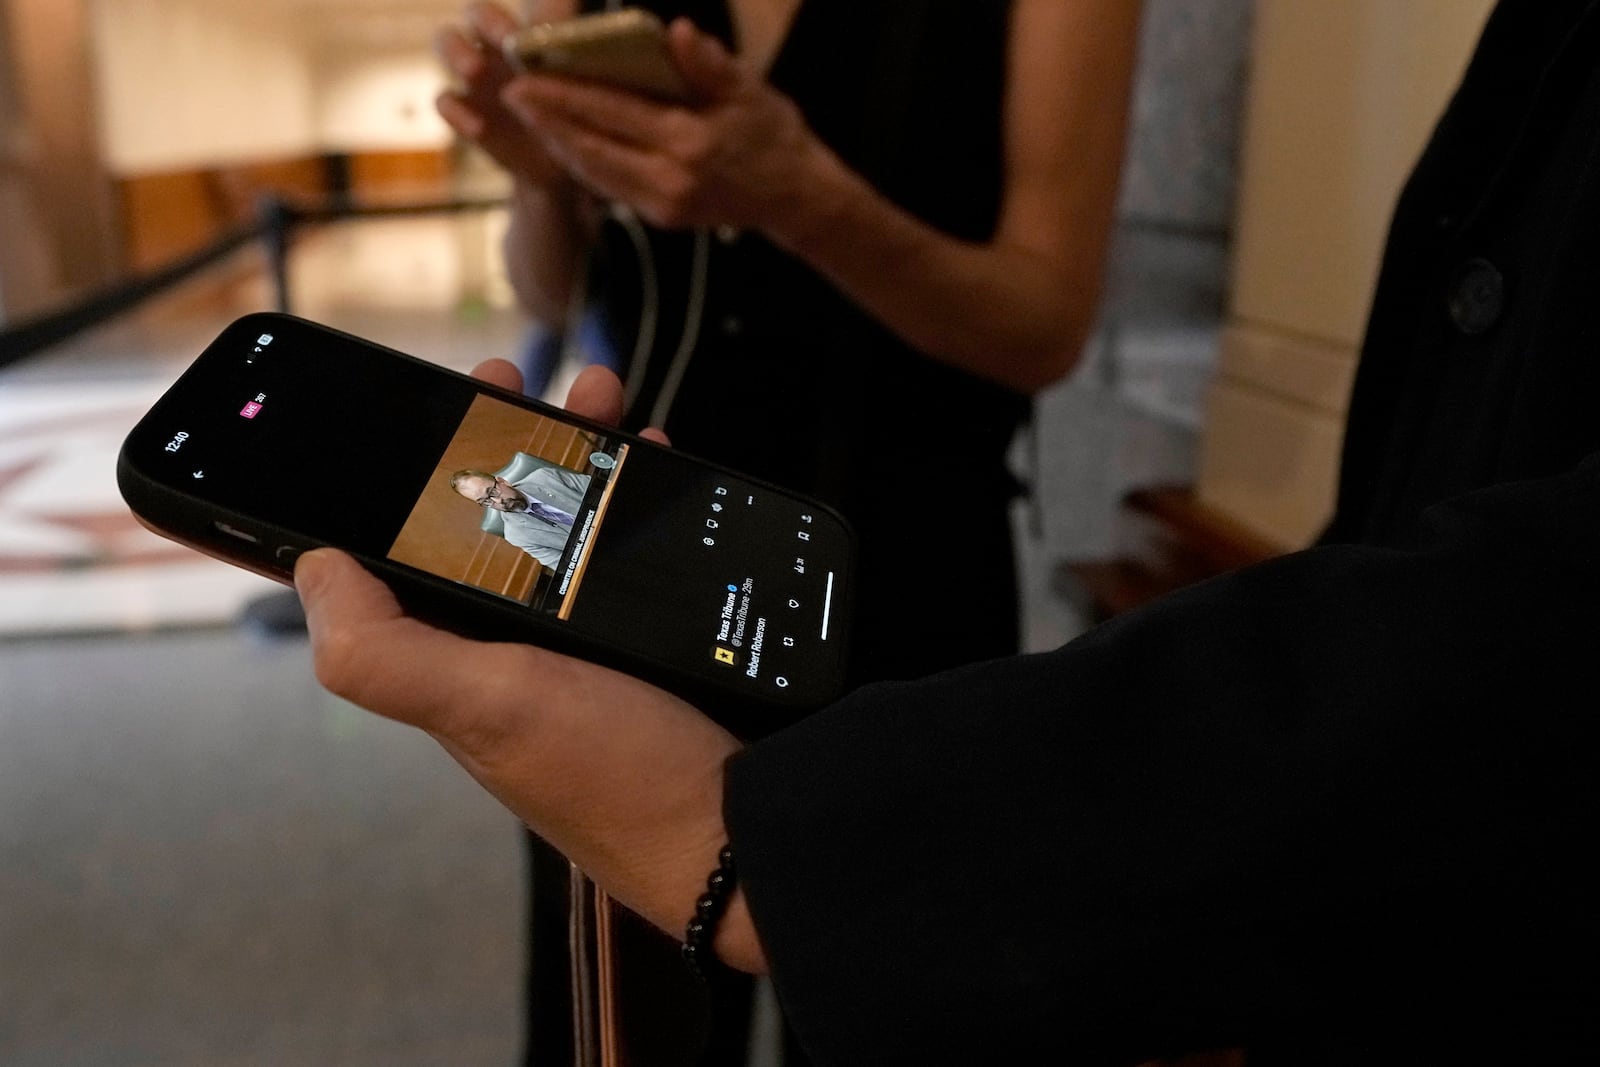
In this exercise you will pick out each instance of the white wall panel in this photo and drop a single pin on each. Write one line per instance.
(1342, 99)
(183, 85)
(382, 102)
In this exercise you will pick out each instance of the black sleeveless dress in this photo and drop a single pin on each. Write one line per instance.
(791, 382)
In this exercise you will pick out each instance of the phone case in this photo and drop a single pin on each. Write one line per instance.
(626, 49)
(246, 534)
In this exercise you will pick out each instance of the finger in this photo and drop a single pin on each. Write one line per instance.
(710, 71)
(368, 651)
(549, 10)
(460, 116)
(491, 23)
(596, 393)
(461, 57)
(616, 169)
(615, 113)
(499, 372)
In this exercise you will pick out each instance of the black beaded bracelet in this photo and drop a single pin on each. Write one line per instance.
(702, 929)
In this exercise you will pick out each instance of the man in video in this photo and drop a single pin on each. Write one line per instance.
(539, 509)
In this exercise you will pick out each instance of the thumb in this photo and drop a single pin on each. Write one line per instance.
(338, 593)
(710, 70)
(366, 649)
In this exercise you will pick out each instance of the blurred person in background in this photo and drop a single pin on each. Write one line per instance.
(872, 225)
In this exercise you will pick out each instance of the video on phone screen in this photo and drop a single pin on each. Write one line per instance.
(513, 505)
(688, 565)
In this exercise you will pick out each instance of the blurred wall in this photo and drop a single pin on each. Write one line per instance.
(191, 83)
(57, 227)
(183, 84)
(1342, 98)
(24, 252)
(1130, 414)
(133, 131)
(382, 102)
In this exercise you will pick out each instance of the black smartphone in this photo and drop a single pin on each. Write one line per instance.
(499, 517)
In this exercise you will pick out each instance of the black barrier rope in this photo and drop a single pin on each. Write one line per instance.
(42, 331)
(279, 217)
(276, 219)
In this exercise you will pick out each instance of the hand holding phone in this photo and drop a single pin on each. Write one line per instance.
(498, 517)
(623, 778)
(739, 155)
(610, 770)
(625, 49)
(478, 72)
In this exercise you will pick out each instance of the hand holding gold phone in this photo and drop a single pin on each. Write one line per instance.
(626, 49)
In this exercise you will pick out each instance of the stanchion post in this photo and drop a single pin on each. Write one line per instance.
(277, 219)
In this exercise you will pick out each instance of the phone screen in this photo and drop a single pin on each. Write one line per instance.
(323, 437)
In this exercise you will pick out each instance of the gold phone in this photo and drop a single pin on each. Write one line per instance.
(626, 49)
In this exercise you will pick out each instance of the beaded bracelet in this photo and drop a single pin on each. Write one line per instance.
(702, 929)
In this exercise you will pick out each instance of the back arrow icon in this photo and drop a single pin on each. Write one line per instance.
(199, 474)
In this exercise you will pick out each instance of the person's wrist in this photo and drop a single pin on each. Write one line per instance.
(817, 202)
(541, 192)
(720, 932)
(698, 951)
(736, 943)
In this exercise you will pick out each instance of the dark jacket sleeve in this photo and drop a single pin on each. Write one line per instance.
(1346, 792)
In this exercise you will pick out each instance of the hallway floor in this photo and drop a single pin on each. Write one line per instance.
(204, 858)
